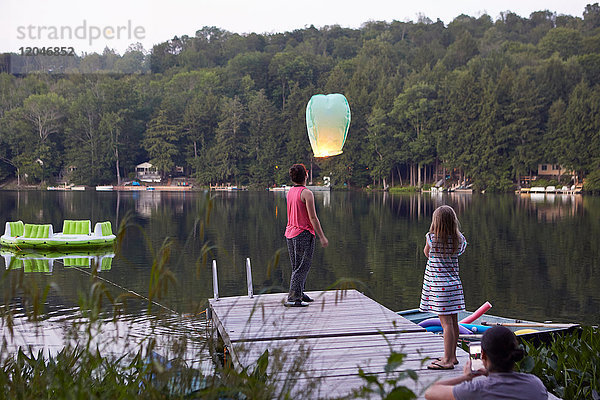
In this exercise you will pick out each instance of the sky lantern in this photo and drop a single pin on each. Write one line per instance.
(327, 122)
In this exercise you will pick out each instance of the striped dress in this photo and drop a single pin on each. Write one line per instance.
(442, 289)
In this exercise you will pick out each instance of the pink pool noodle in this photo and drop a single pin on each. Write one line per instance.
(478, 313)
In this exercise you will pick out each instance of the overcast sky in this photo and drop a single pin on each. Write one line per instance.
(118, 23)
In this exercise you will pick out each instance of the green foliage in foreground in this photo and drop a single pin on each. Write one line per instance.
(389, 387)
(78, 373)
(569, 366)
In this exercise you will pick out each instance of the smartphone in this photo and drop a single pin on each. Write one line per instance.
(475, 354)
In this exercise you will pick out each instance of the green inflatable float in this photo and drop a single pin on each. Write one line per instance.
(76, 234)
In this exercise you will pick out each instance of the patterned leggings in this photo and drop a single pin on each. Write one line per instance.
(301, 250)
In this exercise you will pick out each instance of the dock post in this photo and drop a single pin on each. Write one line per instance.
(215, 282)
(249, 278)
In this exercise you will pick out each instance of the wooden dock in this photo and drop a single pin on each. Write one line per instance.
(316, 351)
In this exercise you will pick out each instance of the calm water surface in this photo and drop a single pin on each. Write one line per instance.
(532, 257)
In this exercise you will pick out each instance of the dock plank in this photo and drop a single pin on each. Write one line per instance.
(322, 346)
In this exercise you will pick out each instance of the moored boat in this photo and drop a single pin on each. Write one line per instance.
(61, 187)
(313, 188)
(75, 234)
(278, 189)
(528, 330)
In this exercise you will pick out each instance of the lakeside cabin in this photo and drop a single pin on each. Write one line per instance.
(146, 172)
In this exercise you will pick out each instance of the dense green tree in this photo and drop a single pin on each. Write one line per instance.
(84, 141)
(231, 144)
(564, 41)
(591, 16)
(578, 139)
(380, 142)
(415, 112)
(463, 109)
(161, 141)
(461, 51)
(286, 69)
(265, 140)
(17, 143)
(525, 127)
(111, 127)
(45, 112)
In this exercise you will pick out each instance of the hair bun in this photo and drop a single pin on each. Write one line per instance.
(517, 354)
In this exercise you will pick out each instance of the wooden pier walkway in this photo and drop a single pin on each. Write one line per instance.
(317, 350)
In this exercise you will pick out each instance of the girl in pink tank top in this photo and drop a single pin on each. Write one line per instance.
(300, 231)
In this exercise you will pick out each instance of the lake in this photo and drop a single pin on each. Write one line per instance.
(533, 257)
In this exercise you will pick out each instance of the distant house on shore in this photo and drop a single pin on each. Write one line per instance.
(146, 172)
(552, 171)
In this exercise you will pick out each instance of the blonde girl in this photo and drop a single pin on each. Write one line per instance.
(442, 289)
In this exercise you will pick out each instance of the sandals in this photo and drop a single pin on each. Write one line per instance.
(437, 366)
(440, 359)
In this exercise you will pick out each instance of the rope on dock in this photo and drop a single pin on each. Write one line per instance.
(125, 289)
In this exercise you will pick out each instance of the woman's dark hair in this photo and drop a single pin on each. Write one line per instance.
(502, 348)
(298, 173)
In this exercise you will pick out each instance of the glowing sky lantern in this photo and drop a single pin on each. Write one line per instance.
(327, 121)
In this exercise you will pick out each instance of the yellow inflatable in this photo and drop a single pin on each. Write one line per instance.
(525, 331)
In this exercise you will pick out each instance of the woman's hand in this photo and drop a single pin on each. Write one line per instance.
(324, 241)
(472, 374)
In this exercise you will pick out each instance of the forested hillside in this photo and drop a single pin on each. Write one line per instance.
(488, 98)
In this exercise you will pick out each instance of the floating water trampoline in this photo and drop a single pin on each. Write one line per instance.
(76, 234)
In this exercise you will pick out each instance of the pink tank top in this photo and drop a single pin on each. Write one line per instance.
(298, 220)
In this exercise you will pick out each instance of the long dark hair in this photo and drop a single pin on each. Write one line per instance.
(445, 226)
(502, 349)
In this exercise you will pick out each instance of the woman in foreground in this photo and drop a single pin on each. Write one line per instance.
(497, 380)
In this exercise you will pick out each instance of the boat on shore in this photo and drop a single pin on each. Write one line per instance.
(312, 188)
(61, 187)
(226, 188)
(524, 329)
(141, 188)
(283, 188)
(76, 234)
(574, 189)
(65, 187)
(461, 189)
